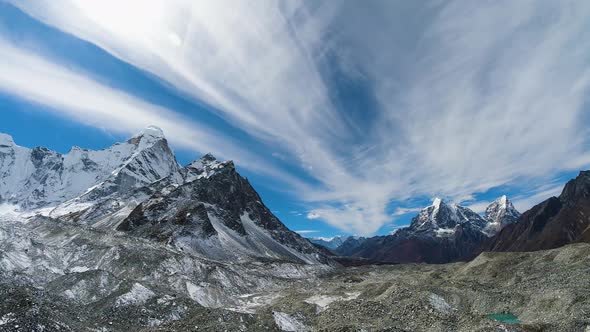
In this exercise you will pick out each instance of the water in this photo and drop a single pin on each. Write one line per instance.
(505, 318)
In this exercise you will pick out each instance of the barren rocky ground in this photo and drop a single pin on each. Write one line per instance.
(146, 288)
(547, 291)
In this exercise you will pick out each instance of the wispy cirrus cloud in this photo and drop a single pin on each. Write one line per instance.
(457, 97)
(79, 97)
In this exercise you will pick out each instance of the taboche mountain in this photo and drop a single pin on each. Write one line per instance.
(138, 187)
(440, 233)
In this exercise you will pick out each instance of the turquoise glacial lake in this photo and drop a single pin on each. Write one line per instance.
(505, 318)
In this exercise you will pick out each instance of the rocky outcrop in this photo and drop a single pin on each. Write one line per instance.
(552, 223)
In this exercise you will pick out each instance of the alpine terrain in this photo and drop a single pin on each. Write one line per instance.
(126, 239)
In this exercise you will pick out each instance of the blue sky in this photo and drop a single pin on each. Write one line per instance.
(346, 116)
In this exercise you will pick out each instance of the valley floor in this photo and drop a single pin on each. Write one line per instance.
(141, 286)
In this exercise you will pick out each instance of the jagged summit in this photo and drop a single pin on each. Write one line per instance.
(147, 137)
(150, 131)
(6, 140)
(577, 188)
(205, 167)
(38, 177)
(441, 219)
(436, 202)
(498, 214)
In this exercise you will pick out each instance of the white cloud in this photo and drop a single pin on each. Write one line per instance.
(402, 211)
(306, 231)
(526, 201)
(83, 99)
(467, 95)
(313, 215)
(478, 207)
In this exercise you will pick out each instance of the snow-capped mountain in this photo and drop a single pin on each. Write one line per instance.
(148, 161)
(330, 242)
(35, 178)
(500, 214)
(137, 187)
(442, 219)
(440, 233)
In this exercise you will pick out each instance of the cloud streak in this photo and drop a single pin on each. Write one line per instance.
(462, 96)
(82, 99)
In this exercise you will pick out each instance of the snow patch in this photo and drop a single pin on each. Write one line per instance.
(79, 269)
(137, 295)
(288, 323)
(9, 210)
(8, 318)
(439, 304)
(444, 232)
(324, 301)
(203, 295)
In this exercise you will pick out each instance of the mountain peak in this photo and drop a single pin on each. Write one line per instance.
(206, 166)
(436, 202)
(441, 219)
(148, 136)
(576, 188)
(153, 131)
(6, 140)
(500, 213)
(208, 157)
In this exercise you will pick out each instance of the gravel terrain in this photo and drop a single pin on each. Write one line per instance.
(57, 278)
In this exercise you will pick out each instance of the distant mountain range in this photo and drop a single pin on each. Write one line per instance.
(440, 233)
(331, 243)
(443, 233)
(138, 187)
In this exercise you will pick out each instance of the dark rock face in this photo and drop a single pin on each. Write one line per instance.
(350, 245)
(157, 223)
(219, 199)
(550, 224)
(406, 246)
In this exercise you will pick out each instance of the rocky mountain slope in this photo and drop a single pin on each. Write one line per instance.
(137, 187)
(348, 247)
(59, 276)
(440, 233)
(218, 215)
(55, 277)
(552, 223)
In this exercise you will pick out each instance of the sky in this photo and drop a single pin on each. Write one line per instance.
(347, 116)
